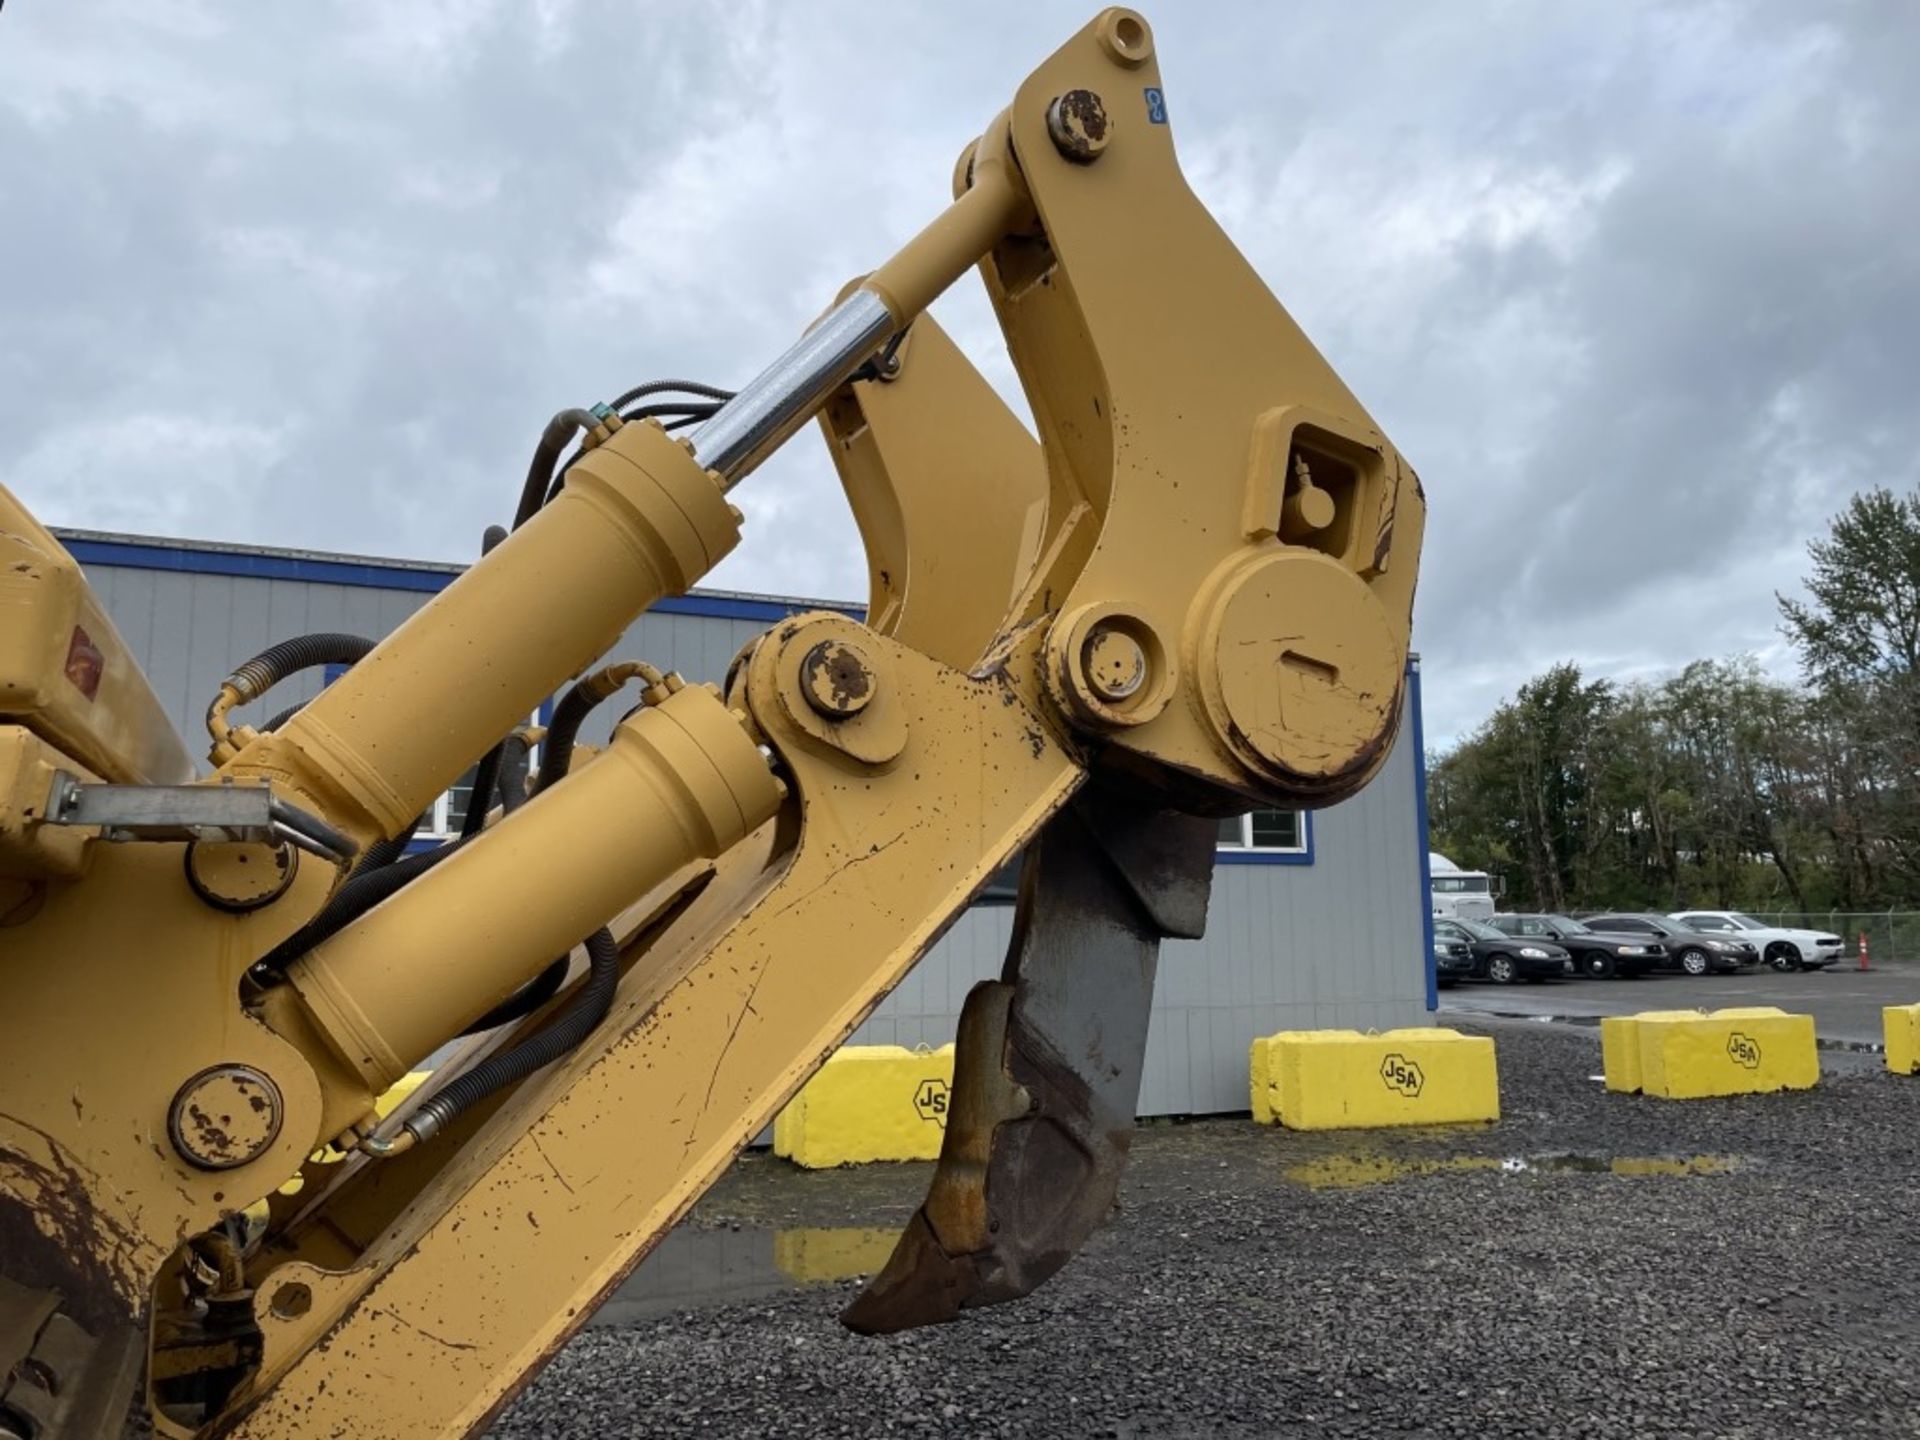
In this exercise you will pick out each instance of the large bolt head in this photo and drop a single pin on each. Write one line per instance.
(240, 875)
(1078, 123)
(837, 679)
(225, 1117)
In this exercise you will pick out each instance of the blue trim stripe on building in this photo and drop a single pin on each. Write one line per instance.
(1420, 819)
(372, 575)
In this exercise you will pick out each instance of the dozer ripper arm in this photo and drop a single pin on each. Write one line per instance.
(1189, 597)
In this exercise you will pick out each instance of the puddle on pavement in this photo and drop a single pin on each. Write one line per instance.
(1348, 1172)
(693, 1269)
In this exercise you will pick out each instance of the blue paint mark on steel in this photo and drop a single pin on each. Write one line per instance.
(372, 575)
(1420, 821)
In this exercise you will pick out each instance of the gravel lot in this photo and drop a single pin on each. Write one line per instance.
(1514, 1280)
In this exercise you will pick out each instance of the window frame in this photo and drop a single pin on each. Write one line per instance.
(1247, 853)
(1707, 924)
(439, 816)
(1626, 925)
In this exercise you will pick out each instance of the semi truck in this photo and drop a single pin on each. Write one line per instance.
(1457, 894)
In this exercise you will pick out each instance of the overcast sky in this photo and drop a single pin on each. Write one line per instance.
(1635, 286)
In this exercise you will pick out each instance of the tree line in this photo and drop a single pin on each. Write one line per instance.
(1719, 786)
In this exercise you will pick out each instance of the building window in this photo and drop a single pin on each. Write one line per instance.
(449, 811)
(1281, 832)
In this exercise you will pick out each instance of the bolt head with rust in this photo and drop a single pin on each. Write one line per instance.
(1078, 123)
(225, 1117)
(838, 679)
(1114, 663)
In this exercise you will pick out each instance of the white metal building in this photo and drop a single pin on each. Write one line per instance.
(1317, 920)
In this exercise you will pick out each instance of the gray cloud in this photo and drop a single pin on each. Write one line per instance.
(1633, 285)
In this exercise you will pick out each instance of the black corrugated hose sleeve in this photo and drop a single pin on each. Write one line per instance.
(588, 1008)
(385, 852)
(515, 756)
(562, 732)
(486, 779)
(382, 872)
(504, 765)
(524, 1001)
(302, 652)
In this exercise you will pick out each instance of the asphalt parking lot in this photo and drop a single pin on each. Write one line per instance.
(1845, 1003)
(1592, 1265)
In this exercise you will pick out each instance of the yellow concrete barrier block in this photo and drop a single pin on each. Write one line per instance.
(1620, 1046)
(1343, 1080)
(1902, 1024)
(1695, 1054)
(868, 1102)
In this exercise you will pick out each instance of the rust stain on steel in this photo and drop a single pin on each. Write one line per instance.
(54, 1237)
(210, 1138)
(1336, 781)
(840, 671)
(1078, 124)
(837, 679)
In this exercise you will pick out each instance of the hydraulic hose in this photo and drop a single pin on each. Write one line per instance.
(516, 754)
(574, 707)
(587, 1009)
(524, 1001)
(257, 676)
(385, 852)
(560, 430)
(289, 657)
(672, 387)
(383, 873)
(486, 779)
(562, 732)
(366, 889)
(385, 870)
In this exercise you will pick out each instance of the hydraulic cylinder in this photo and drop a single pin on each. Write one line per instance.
(681, 781)
(639, 519)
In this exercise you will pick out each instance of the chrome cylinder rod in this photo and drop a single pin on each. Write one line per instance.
(784, 396)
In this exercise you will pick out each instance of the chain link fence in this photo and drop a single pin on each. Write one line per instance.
(1893, 936)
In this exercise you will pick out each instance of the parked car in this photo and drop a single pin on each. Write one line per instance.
(1688, 950)
(1780, 947)
(1595, 955)
(1503, 958)
(1452, 960)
